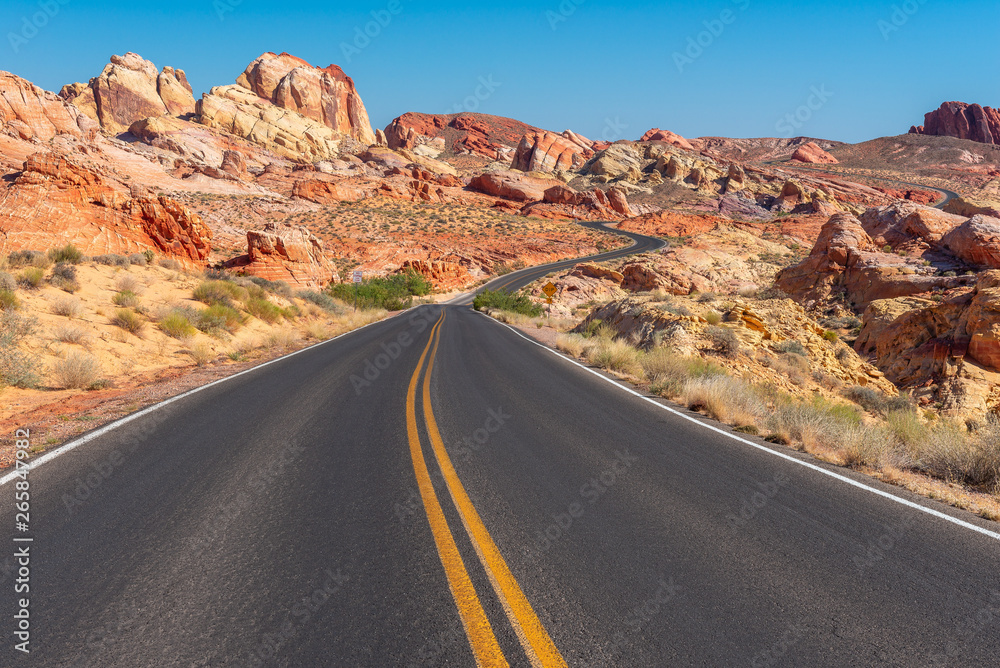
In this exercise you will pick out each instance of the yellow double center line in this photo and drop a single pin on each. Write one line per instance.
(534, 639)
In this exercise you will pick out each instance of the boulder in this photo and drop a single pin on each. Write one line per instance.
(976, 241)
(810, 152)
(442, 274)
(964, 121)
(983, 321)
(511, 185)
(656, 134)
(968, 207)
(544, 151)
(28, 112)
(286, 253)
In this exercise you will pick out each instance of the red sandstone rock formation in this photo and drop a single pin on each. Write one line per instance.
(28, 112)
(965, 121)
(285, 253)
(810, 152)
(545, 151)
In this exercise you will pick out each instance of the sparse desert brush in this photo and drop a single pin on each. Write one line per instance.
(725, 341)
(615, 356)
(316, 330)
(17, 367)
(868, 445)
(126, 298)
(279, 288)
(112, 260)
(726, 399)
(220, 317)
(281, 339)
(70, 334)
(129, 321)
(9, 300)
(573, 345)
(169, 263)
(200, 353)
(322, 300)
(31, 278)
(213, 292)
(65, 284)
(29, 258)
(138, 259)
(792, 347)
(713, 317)
(68, 253)
(7, 282)
(831, 336)
(176, 324)
(78, 371)
(874, 401)
(262, 309)
(790, 365)
(69, 307)
(128, 283)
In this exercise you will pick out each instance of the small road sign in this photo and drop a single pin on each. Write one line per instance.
(358, 276)
(550, 289)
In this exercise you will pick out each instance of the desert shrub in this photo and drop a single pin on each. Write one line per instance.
(28, 258)
(213, 292)
(615, 356)
(128, 283)
(262, 309)
(76, 372)
(908, 428)
(713, 317)
(17, 367)
(392, 293)
(317, 330)
(281, 339)
(70, 334)
(32, 277)
(707, 297)
(725, 340)
(320, 299)
(668, 372)
(112, 260)
(68, 253)
(816, 424)
(573, 345)
(65, 284)
(64, 270)
(279, 288)
(177, 325)
(724, 398)
(201, 354)
(219, 317)
(516, 302)
(874, 401)
(138, 259)
(679, 310)
(843, 354)
(169, 263)
(9, 300)
(792, 366)
(126, 298)
(69, 307)
(7, 282)
(128, 320)
(793, 347)
(830, 336)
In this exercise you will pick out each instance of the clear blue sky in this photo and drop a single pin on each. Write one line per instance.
(588, 65)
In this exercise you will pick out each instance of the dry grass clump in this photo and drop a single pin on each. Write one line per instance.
(69, 307)
(573, 345)
(317, 330)
(78, 371)
(725, 340)
(71, 334)
(281, 340)
(128, 320)
(614, 355)
(126, 298)
(263, 309)
(726, 399)
(31, 278)
(200, 353)
(9, 301)
(177, 325)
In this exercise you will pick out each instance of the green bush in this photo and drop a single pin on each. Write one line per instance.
(28, 258)
(320, 299)
(68, 253)
(516, 302)
(112, 260)
(392, 293)
(876, 402)
(830, 335)
(8, 300)
(128, 320)
(220, 317)
(126, 298)
(138, 259)
(279, 288)
(32, 277)
(177, 325)
(213, 292)
(262, 309)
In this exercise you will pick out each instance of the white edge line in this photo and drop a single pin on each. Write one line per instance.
(97, 433)
(729, 434)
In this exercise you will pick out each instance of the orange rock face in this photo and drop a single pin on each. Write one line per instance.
(130, 89)
(983, 325)
(547, 152)
(977, 241)
(811, 152)
(656, 134)
(325, 95)
(965, 121)
(512, 185)
(285, 253)
(28, 112)
(54, 202)
(443, 275)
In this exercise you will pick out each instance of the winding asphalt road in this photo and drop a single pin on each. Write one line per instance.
(438, 490)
